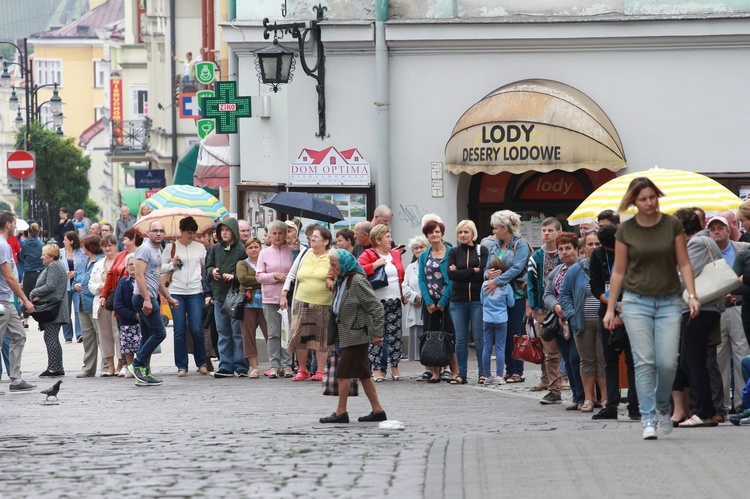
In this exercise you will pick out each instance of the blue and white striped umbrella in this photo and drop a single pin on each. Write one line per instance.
(187, 196)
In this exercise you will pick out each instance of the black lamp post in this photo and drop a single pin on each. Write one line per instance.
(275, 64)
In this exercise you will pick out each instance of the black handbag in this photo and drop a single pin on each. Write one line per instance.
(46, 312)
(436, 348)
(234, 304)
(550, 327)
(378, 279)
(109, 303)
(618, 338)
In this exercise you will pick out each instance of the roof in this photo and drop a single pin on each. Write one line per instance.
(20, 19)
(87, 25)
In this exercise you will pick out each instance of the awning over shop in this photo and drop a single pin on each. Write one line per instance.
(133, 198)
(183, 174)
(212, 168)
(540, 125)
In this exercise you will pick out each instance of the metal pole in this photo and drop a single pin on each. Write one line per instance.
(21, 199)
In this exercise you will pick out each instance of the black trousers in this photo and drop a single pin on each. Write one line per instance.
(612, 373)
(693, 359)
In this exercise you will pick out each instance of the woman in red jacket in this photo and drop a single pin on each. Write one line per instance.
(382, 255)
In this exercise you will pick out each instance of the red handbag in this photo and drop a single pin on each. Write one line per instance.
(528, 348)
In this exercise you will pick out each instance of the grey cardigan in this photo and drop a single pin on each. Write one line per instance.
(360, 314)
(697, 247)
(52, 286)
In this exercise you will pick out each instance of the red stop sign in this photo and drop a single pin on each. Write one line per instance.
(21, 164)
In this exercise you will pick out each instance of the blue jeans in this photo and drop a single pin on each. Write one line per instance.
(465, 314)
(569, 352)
(745, 364)
(152, 330)
(516, 315)
(231, 356)
(653, 324)
(74, 301)
(493, 333)
(5, 349)
(188, 317)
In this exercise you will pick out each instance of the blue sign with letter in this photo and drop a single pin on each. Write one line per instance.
(150, 179)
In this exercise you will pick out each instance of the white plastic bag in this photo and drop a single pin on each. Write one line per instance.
(284, 328)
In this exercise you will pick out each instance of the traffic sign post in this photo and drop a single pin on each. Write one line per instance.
(21, 166)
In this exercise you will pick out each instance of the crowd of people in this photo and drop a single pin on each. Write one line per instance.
(615, 291)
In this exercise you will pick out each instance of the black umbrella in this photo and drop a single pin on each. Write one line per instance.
(304, 205)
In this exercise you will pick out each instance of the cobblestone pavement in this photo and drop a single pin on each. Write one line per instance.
(200, 436)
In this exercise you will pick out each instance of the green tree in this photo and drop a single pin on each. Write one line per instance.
(61, 174)
(90, 209)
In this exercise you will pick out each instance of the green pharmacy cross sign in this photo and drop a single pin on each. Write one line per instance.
(226, 107)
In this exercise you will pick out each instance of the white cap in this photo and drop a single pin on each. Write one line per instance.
(718, 219)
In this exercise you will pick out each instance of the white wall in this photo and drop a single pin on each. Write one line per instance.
(673, 90)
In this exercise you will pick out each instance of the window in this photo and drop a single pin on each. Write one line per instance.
(101, 73)
(48, 71)
(333, 160)
(138, 101)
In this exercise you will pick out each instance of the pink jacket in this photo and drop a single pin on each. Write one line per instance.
(273, 259)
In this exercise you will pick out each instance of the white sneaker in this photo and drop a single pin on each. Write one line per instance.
(649, 433)
(665, 422)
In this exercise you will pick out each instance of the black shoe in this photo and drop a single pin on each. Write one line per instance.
(373, 417)
(333, 418)
(223, 373)
(634, 416)
(51, 374)
(425, 376)
(79, 339)
(605, 414)
(551, 398)
(433, 380)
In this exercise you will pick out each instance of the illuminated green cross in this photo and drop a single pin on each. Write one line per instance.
(226, 107)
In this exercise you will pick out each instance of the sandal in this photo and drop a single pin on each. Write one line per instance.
(458, 380)
(273, 374)
(254, 374)
(515, 378)
(696, 422)
(482, 379)
(588, 406)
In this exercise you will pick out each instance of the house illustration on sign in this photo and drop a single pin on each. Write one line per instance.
(330, 167)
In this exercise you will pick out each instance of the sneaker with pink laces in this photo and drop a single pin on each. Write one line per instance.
(318, 376)
(301, 376)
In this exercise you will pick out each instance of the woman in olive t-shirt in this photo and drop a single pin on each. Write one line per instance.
(649, 248)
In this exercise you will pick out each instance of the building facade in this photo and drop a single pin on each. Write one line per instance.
(667, 76)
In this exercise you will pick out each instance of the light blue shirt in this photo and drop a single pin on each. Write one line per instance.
(729, 254)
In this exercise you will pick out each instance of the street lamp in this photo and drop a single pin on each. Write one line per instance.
(18, 122)
(275, 63)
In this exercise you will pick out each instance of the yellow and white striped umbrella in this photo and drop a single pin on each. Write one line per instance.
(682, 189)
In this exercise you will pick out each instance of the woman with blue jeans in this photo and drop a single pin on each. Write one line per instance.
(466, 263)
(648, 250)
(185, 260)
(514, 251)
(72, 254)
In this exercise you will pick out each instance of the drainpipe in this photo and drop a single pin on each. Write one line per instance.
(234, 139)
(172, 72)
(382, 103)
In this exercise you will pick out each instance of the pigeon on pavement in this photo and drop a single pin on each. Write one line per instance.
(52, 391)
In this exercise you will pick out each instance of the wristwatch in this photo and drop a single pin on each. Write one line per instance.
(691, 296)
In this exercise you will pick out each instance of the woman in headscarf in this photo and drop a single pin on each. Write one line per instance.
(356, 320)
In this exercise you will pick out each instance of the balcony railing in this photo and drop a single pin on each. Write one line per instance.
(130, 136)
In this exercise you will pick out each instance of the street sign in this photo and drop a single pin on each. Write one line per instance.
(205, 127)
(189, 106)
(149, 179)
(21, 164)
(29, 184)
(227, 107)
(205, 72)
